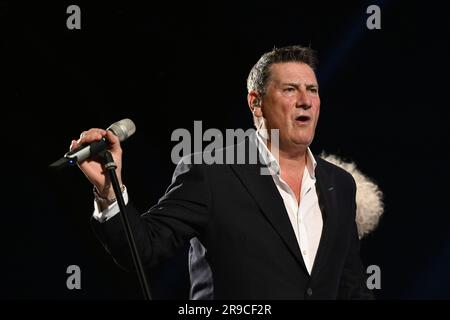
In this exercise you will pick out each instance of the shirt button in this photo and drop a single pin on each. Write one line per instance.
(304, 252)
(309, 292)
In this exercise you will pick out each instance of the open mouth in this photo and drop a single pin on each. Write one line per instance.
(303, 119)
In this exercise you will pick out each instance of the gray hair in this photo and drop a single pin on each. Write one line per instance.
(257, 79)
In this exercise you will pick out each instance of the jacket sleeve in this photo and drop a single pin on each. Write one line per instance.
(181, 214)
(353, 280)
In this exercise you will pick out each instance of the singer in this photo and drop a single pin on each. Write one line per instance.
(287, 235)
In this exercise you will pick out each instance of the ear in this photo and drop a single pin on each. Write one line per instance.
(254, 103)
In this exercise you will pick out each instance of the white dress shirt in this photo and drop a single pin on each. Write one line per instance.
(112, 209)
(306, 217)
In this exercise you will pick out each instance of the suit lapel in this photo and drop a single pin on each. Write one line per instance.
(326, 191)
(265, 193)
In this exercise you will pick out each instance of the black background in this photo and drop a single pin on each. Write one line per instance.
(164, 65)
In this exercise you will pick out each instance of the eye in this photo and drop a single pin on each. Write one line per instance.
(314, 90)
(289, 89)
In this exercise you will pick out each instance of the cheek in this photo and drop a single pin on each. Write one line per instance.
(278, 114)
(317, 111)
(316, 120)
(316, 117)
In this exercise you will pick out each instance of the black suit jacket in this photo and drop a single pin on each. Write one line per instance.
(240, 218)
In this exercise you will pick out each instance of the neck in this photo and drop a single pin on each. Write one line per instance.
(290, 158)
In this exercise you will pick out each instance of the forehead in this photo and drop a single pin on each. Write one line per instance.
(296, 72)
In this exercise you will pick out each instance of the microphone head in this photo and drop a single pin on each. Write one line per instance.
(123, 129)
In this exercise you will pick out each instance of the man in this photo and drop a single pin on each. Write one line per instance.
(290, 234)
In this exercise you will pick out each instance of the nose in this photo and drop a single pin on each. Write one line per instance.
(304, 100)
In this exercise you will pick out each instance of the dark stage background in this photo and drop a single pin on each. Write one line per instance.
(385, 106)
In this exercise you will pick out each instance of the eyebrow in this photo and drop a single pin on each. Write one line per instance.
(296, 85)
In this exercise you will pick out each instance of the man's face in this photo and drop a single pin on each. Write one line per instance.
(292, 104)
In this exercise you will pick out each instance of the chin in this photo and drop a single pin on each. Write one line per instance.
(302, 140)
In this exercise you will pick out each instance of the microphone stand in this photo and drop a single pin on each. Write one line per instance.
(111, 166)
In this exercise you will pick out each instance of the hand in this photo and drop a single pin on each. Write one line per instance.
(93, 168)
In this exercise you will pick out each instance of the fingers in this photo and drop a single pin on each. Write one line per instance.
(90, 136)
(111, 137)
(113, 140)
(73, 145)
(93, 168)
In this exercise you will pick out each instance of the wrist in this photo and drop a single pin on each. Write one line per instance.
(109, 199)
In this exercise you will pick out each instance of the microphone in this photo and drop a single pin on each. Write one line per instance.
(123, 129)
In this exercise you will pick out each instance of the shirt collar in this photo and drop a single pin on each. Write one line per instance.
(272, 163)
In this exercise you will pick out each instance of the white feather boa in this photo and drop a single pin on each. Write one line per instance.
(369, 197)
